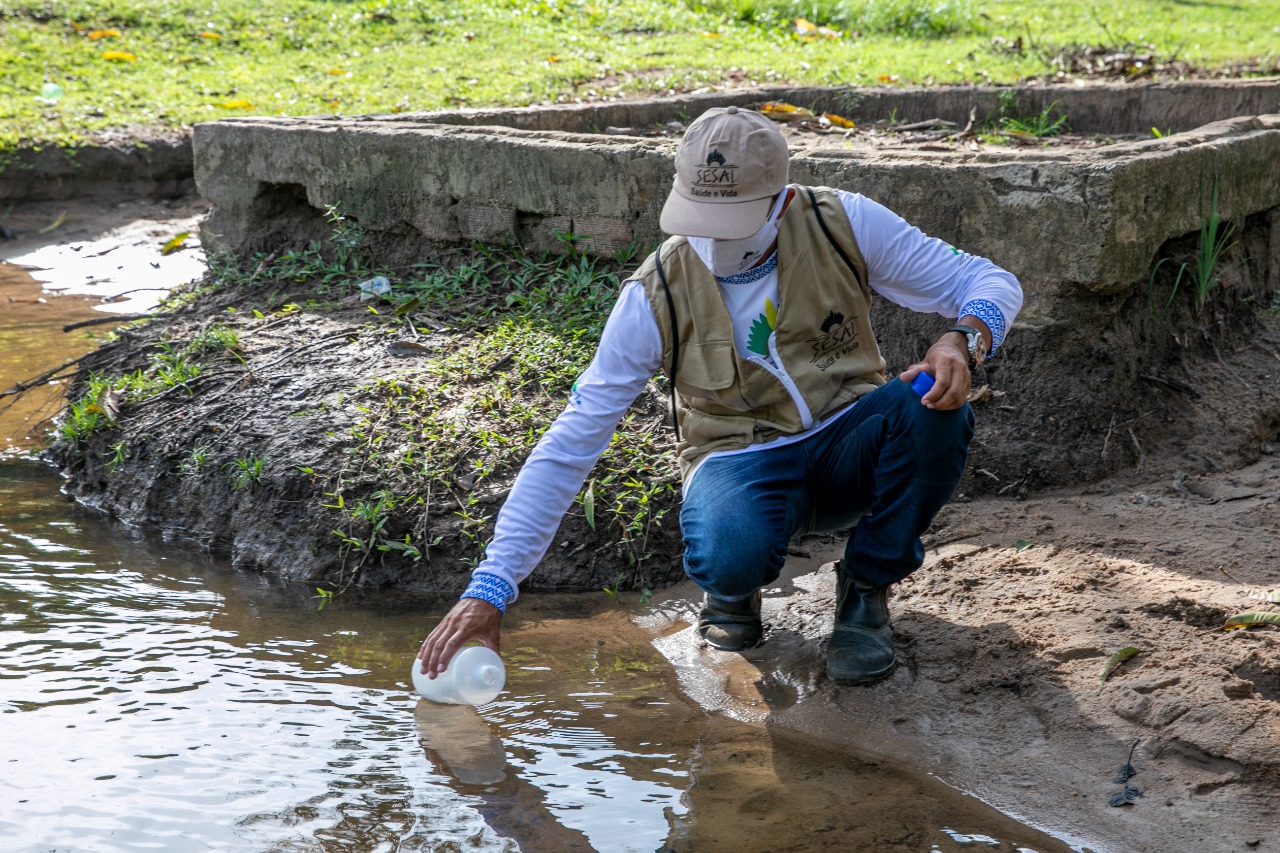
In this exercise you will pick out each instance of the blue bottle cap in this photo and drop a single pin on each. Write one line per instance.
(922, 383)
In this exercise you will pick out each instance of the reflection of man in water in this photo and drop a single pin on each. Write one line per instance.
(760, 314)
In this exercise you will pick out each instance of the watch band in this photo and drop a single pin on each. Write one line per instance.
(973, 340)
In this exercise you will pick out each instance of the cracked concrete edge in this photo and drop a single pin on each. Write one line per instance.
(430, 185)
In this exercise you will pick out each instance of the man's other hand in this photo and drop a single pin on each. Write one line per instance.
(470, 619)
(947, 362)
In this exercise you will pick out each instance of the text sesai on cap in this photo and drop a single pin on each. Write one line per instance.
(730, 165)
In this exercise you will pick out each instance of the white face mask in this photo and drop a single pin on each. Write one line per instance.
(730, 257)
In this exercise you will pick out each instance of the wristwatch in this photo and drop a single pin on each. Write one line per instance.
(973, 341)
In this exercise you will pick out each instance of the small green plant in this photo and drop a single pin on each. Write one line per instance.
(195, 460)
(85, 416)
(218, 338)
(1216, 238)
(345, 240)
(1039, 125)
(245, 471)
(1161, 134)
(119, 452)
(570, 241)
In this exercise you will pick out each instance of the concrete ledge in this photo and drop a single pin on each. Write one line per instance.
(440, 179)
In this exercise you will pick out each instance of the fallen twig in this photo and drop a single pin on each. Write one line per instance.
(1142, 456)
(115, 318)
(924, 125)
(1172, 384)
(43, 379)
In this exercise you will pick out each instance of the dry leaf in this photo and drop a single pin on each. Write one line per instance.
(119, 56)
(809, 30)
(889, 78)
(109, 402)
(102, 34)
(1113, 662)
(780, 111)
(175, 243)
(407, 348)
(985, 393)
(62, 217)
(237, 104)
(1244, 620)
(838, 121)
(210, 36)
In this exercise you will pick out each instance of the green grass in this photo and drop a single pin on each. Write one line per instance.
(522, 327)
(1203, 270)
(303, 57)
(171, 365)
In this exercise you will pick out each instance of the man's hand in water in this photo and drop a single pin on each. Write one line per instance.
(470, 619)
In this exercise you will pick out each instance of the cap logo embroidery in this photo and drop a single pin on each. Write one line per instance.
(717, 180)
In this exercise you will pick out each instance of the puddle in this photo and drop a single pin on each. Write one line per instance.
(103, 259)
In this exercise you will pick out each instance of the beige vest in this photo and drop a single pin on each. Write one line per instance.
(823, 338)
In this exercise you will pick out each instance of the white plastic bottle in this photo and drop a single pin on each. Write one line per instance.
(474, 676)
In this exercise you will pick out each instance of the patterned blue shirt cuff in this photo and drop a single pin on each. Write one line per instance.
(491, 588)
(989, 313)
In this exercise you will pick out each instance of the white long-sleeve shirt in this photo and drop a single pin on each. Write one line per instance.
(904, 266)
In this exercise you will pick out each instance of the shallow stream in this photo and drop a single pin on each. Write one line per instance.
(154, 698)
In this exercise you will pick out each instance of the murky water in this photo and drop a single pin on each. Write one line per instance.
(153, 698)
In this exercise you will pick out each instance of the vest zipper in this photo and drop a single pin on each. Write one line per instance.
(775, 368)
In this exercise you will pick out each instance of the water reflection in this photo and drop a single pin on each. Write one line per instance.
(154, 698)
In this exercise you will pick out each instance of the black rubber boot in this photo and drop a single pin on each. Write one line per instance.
(731, 625)
(861, 646)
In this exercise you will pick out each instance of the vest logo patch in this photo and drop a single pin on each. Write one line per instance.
(839, 337)
(718, 179)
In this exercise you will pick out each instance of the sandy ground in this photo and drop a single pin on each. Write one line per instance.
(1002, 637)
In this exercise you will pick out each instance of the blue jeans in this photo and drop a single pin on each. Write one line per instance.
(887, 467)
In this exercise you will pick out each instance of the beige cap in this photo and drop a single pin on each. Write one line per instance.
(731, 164)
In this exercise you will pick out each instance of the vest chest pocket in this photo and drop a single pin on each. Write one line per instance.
(706, 368)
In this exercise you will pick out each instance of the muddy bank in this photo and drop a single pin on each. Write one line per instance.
(382, 432)
(380, 435)
(123, 164)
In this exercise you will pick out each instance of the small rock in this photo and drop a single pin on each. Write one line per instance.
(1238, 689)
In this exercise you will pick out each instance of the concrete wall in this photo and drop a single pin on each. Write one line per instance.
(1060, 218)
